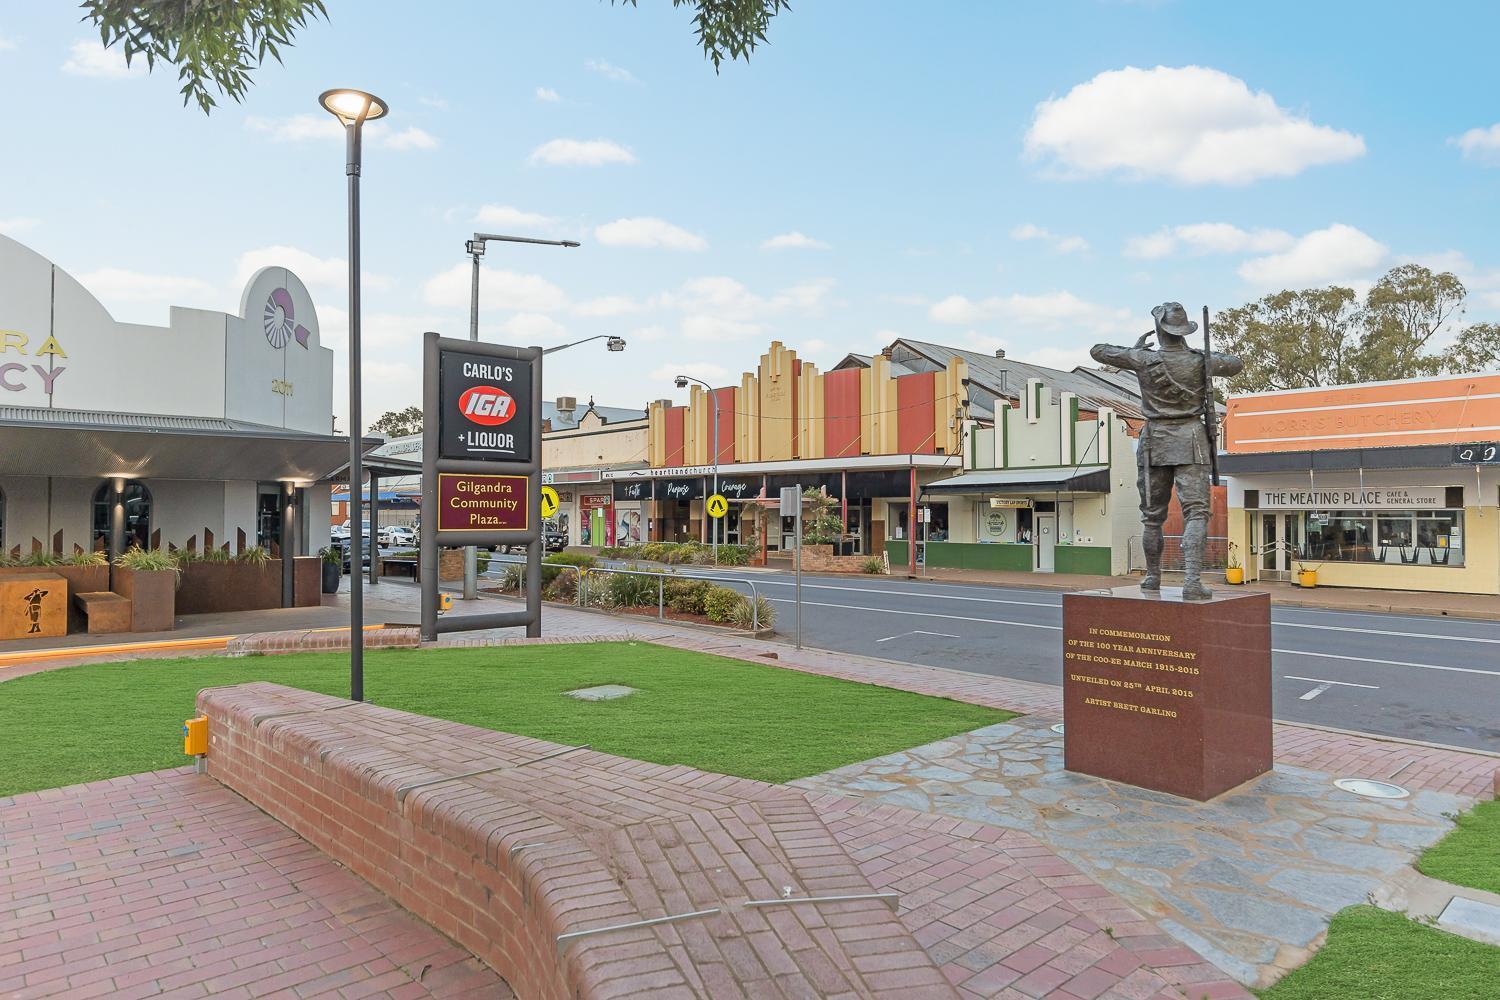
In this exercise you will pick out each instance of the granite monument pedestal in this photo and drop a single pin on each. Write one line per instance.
(1167, 694)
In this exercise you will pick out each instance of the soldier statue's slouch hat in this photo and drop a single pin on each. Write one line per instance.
(1172, 320)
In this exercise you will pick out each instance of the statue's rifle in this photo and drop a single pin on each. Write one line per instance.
(1210, 411)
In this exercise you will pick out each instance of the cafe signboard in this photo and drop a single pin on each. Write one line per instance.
(1355, 498)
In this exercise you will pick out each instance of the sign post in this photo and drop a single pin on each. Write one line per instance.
(481, 467)
(791, 506)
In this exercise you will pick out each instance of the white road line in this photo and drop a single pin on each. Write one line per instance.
(1320, 680)
(1388, 663)
(913, 593)
(916, 631)
(1315, 692)
(1376, 631)
(918, 614)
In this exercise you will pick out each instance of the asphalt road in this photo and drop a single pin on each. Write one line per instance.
(1417, 677)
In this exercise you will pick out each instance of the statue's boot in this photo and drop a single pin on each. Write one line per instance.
(1194, 538)
(1151, 543)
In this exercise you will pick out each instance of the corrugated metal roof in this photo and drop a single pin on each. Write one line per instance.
(1007, 376)
(35, 416)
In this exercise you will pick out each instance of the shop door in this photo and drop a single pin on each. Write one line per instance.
(1046, 541)
(597, 533)
(1280, 544)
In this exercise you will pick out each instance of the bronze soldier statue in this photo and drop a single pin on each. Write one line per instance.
(1176, 445)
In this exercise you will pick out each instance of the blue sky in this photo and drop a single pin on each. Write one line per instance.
(1033, 177)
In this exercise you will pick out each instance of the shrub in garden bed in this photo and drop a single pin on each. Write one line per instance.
(687, 596)
(719, 604)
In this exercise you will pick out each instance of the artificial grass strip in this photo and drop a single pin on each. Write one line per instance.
(84, 723)
(1372, 954)
(1470, 853)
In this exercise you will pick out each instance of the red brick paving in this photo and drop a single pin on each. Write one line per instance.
(169, 884)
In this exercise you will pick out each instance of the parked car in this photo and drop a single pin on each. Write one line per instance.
(554, 539)
(398, 534)
(344, 546)
(339, 531)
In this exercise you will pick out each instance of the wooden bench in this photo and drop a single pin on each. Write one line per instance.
(105, 611)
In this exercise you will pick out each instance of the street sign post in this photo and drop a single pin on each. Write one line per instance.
(481, 467)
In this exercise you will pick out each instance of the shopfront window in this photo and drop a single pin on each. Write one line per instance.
(137, 515)
(896, 516)
(1412, 538)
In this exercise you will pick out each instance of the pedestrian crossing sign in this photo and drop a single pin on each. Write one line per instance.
(717, 506)
(549, 501)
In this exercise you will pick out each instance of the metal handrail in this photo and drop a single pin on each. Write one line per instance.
(661, 578)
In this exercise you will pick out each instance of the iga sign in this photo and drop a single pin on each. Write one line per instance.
(481, 503)
(485, 408)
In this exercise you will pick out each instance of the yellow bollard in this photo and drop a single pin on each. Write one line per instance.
(445, 603)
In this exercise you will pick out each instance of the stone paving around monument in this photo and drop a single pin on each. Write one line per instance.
(1248, 880)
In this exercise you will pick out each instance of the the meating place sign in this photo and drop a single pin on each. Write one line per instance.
(481, 467)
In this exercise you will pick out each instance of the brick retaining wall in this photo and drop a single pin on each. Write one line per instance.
(506, 861)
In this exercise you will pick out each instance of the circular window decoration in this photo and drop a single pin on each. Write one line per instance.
(279, 320)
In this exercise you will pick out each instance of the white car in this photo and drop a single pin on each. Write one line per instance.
(339, 532)
(398, 534)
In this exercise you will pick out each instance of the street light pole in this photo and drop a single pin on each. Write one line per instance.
(475, 247)
(353, 108)
(681, 382)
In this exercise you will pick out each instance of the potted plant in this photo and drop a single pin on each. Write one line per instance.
(1307, 576)
(333, 567)
(1233, 571)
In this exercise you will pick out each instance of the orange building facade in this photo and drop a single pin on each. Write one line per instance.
(1392, 485)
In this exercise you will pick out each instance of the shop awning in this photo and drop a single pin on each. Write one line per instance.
(92, 443)
(1067, 480)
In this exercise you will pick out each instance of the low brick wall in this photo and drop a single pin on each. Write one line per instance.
(305, 640)
(820, 559)
(538, 846)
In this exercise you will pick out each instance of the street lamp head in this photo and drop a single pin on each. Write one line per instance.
(352, 107)
(615, 344)
(681, 381)
(571, 243)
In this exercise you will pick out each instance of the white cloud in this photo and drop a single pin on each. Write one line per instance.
(498, 290)
(309, 126)
(6, 44)
(1050, 311)
(1062, 244)
(648, 232)
(114, 284)
(718, 308)
(319, 272)
(1190, 124)
(18, 224)
(611, 72)
(607, 306)
(581, 153)
(408, 138)
(647, 334)
(512, 217)
(1337, 254)
(1480, 144)
(548, 95)
(1207, 238)
(88, 58)
(793, 240)
(531, 327)
(437, 103)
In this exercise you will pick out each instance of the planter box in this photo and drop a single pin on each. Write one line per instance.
(81, 580)
(153, 596)
(214, 588)
(307, 581)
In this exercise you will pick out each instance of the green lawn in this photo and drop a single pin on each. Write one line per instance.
(96, 721)
(1372, 954)
(1470, 854)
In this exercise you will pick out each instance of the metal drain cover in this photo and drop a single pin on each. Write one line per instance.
(1091, 807)
(1371, 788)
(1058, 729)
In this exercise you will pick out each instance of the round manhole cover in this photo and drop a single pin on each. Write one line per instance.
(1371, 788)
(1058, 729)
(1091, 807)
